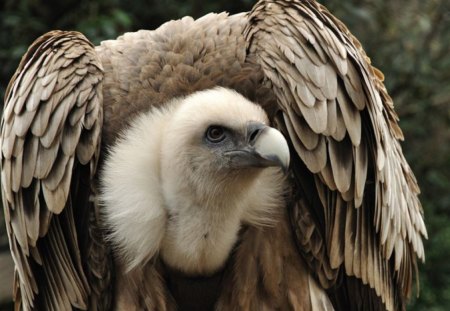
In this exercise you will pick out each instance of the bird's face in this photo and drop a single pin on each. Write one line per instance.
(216, 152)
(222, 143)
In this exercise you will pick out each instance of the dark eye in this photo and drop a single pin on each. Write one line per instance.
(215, 134)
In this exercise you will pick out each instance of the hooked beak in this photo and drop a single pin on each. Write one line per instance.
(265, 147)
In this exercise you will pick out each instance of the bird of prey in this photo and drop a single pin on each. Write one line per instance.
(233, 162)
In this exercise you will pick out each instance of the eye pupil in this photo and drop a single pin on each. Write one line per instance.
(215, 134)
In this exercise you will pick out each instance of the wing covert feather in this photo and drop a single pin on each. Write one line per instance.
(367, 222)
(40, 159)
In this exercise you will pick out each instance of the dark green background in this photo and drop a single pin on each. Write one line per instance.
(409, 40)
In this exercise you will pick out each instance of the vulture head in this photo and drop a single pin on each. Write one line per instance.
(188, 176)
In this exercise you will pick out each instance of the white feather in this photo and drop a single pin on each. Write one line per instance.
(164, 192)
(131, 192)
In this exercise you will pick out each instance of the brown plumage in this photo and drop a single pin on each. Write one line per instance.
(349, 231)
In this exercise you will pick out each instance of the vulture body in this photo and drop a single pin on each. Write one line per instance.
(244, 162)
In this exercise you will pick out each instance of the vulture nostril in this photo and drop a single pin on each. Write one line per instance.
(253, 135)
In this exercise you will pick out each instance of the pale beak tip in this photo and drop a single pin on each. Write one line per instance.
(272, 145)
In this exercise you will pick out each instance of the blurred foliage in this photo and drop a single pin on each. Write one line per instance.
(409, 40)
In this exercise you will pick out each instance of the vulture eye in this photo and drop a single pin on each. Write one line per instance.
(215, 134)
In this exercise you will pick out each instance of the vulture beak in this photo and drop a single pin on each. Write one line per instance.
(264, 146)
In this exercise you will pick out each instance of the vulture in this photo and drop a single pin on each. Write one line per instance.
(232, 162)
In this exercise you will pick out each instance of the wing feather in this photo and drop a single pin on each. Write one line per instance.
(341, 163)
(367, 216)
(40, 160)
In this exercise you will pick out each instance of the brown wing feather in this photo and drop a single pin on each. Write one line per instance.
(48, 157)
(366, 220)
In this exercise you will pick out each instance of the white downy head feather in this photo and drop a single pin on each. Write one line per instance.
(163, 190)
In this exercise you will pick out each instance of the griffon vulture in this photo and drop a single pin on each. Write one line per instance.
(244, 162)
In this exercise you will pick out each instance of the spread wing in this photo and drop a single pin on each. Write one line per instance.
(50, 136)
(357, 218)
